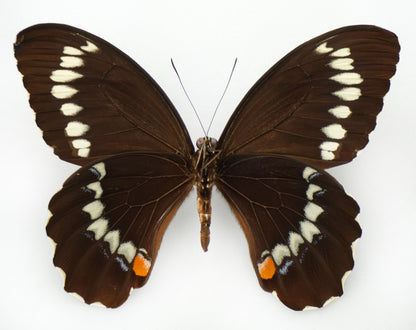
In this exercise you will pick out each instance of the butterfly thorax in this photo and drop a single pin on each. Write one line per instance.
(205, 162)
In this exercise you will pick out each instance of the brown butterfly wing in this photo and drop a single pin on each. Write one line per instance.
(91, 100)
(320, 102)
(299, 223)
(313, 109)
(108, 221)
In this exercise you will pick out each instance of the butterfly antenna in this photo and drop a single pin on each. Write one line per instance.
(222, 96)
(189, 99)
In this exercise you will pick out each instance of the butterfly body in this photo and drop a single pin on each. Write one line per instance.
(312, 110)
(205, 166)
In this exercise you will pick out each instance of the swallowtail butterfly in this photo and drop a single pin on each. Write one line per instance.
(312, 110)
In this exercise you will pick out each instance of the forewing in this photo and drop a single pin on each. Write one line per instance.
(299, 223)
(320, 102)
(91, 100)
(108, 220)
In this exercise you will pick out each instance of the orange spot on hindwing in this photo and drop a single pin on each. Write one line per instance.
(141, 265)
(267, 268)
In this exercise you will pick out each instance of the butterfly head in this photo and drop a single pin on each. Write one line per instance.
(207, 144)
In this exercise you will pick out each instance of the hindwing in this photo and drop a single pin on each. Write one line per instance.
(299, 223)
(108, 221)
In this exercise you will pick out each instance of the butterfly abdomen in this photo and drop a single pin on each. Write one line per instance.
(204, 210)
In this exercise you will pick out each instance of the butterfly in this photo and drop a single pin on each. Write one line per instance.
(313, 110)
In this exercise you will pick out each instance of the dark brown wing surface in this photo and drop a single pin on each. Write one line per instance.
(320, 102)
(299, 223)
(91, 100)
(108, 221)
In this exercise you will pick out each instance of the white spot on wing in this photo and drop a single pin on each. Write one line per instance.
(307, 172)
(90, 47)
(99, 227)
(81, 143)
(343, 52)
(340, 111)
(70, 62)
(334, 131)
(344, 64)
(264, 253)
(100, 167)
(84, 152)
(348, 94)
(143, 251)
(95, 209)
(312, 188)
(327, 155)
(329, 145)
(312, 211)
(323, 49)
(113, 238)
(70, 109)
(295, 240)
(279, 252)
(76, 128)
(68, 50)
(348, 78)
(309, 308)
(64, 76)
(128, 250)
(308, 230)
(96, 186)
(63, 91)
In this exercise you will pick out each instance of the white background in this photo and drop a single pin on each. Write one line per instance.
(190, 289)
